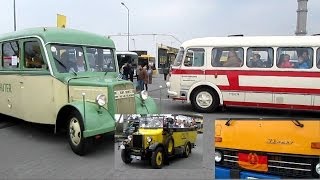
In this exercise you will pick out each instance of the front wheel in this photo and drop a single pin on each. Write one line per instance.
(157, 158)
(204, 100)
(78, 143)
(125, 156)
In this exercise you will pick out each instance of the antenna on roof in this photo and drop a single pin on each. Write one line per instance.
(235, 35)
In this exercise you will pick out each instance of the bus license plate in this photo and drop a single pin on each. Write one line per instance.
(135, 157)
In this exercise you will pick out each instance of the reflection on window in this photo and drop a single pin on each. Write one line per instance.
(179, 58)
(194, 57)
(318, 58)
(299, 58)
(101, 60)
(10, 58)
(32, 55)
(227, 57)
(260, 57)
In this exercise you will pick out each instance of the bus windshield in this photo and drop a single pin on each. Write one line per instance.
(179, 58)
(69, 58)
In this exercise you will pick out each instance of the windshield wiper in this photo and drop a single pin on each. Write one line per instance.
(297, 123)
(228, 122)
(64, 66)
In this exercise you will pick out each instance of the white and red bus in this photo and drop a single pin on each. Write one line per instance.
(265, 71)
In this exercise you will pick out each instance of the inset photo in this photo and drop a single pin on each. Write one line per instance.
(147, 141)
(267, 149)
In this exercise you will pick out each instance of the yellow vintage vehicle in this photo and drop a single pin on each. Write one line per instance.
(157, 139)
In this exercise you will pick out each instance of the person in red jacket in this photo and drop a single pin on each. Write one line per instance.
(284, 61)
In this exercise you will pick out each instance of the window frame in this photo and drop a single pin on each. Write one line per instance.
(269, 55)
(193, 49)
(23, 60)
(19, 55)
(213, 58)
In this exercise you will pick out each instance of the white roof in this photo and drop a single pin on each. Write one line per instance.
(254, 41)
(126, 52)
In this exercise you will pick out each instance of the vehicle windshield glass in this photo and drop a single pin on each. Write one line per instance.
(151, 122)
(70, 58)
(179, 58)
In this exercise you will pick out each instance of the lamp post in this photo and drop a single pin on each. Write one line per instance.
(128, 24)
(14, 15)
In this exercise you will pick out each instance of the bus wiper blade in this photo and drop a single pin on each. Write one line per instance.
(64, 66)
(228, 122)
(297, 123)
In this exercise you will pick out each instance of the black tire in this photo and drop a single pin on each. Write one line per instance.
(125, 156)
(205, 109)
(187, 150)
(156, 161)
(170, 146)
(79, 145)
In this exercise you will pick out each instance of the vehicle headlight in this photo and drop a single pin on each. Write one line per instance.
(101, 100)
(318, 168)
(144, 95)
(130, 137)
(168, 84)
(217, 156)
(149, 139)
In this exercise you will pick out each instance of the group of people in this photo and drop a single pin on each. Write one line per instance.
(144, 77)
(127, 71)
(303, 61)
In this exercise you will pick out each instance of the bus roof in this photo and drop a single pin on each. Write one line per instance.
(126, 52)
(61, 35)
(254, 41)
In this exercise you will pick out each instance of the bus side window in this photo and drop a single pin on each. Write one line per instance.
(33, 57)
(10, 56)
(259, 57)
(194, 57)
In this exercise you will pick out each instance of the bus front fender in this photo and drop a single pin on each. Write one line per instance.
(209, 84)
(97, 120)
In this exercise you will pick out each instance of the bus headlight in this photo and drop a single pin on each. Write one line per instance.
(217, 156)
(130, 137)
(149, 139)
(318, 168)
(144, 95)
(101, 100)
(168, 84)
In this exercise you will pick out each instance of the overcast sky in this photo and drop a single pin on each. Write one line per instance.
(184, 19)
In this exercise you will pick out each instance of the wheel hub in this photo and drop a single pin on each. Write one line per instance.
(204, 99)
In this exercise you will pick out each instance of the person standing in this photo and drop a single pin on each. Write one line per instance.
(141, 77)
(146, 77)
(165, 72)
(131, 72)
(149, 71)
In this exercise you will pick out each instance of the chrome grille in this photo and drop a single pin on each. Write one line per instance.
(124, 104)
(278, 164)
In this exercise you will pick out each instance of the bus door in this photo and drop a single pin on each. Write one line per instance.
(36, 85)
(193, 69)
(9, 82)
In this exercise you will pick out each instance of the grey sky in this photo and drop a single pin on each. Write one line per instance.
(185, 19)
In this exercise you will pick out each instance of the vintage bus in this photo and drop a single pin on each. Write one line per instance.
(268, 72)
(66, 78)
(267, 148)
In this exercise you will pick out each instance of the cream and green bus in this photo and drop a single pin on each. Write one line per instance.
(66, 78)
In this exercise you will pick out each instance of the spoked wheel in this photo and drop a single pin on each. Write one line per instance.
(187, 150)
(78, 143)
(157, 158)
(204, 100)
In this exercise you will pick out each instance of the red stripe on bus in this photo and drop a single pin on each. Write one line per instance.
(270, 105)
(307, 91)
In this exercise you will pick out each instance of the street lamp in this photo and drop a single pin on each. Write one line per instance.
(14, 15)
(128, 23)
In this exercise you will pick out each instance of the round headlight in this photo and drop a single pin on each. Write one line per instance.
(149, 139)
(101, 100)
(318, 168)
(144, 95)
(217, 156)
(130, 137)
(168, 84)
